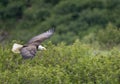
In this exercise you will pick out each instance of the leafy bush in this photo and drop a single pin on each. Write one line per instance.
(109, 37)
(74, 64)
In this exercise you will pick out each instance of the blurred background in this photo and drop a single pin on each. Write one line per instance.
(91, 21)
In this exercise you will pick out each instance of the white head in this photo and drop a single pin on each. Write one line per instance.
(16, 48)
(40, 47)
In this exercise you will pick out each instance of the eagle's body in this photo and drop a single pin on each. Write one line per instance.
(29, 50)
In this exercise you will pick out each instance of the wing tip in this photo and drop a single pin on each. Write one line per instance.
(52, 30)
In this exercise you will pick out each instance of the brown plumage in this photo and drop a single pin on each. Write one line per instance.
(29, 50)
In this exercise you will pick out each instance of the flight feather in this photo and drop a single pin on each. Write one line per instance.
(29, 50)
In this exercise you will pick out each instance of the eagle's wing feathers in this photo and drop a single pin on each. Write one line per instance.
(41, 37)
(28, 52)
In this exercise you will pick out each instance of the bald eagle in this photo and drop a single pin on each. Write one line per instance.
(30, 48)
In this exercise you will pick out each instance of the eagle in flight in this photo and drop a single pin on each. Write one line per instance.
(30, 48)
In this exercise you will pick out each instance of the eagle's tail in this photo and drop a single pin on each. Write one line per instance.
(16, 48)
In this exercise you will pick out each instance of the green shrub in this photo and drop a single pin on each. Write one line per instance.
(109, 37)
(61, 64)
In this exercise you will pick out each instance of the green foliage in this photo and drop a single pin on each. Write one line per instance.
(74, 64)
(74, 18)
(95, 22)
(110, 36)
(105, 38)
(12, 9)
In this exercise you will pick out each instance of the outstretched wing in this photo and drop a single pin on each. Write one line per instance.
(28, 52)
(41, 37)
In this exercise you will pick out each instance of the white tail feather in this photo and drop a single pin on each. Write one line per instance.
(16, 48)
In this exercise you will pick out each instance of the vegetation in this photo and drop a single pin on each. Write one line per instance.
(83, 50)
(74, 64)
(76, 18)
